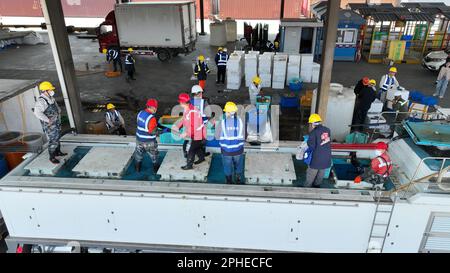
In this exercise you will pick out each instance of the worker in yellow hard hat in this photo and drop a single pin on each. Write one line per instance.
(387, 82)
(221, 60)
(201, 71)
(254, 89)
(319, 152)
(114, 121)
(232, 143)
(129, 65)
(48, 112)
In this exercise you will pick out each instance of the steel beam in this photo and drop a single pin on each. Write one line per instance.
(59, 41)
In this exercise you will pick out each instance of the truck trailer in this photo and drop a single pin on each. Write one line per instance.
(163, 28)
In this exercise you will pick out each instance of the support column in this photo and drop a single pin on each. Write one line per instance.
(282, 9)
(326, 67)
(59, 41)
(202, 18)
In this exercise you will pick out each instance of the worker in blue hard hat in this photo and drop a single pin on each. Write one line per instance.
(319, 144)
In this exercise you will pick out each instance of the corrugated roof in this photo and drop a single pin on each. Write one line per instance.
(384, 16)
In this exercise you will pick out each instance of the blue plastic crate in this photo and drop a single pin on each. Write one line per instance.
(289, 102)
(167, 138)
(295, 85)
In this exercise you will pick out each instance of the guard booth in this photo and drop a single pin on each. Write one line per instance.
(348, 33)
(393, 33)
(299, 35)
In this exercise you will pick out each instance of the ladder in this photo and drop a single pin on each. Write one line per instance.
(381, 220)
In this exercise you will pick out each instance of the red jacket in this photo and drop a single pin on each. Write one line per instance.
(382, 165)
(192, 121)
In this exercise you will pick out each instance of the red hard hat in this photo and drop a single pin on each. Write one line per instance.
(183, 98)
(366, 81)
(382, 146)
(152, 103)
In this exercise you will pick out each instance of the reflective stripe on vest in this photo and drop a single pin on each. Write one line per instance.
(113, 117)
(113, 53)
(388, 82)
(232, 138)
(200, 107)
(142, 133)
(383, 163)
(222, 58)
(127, 59)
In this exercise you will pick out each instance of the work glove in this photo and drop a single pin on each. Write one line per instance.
(357, 179)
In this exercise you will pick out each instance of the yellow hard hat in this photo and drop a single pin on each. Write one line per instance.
(314, 118)
(393, 69)
(44, 86)
(256, 79)
(201, 58)
(130, 49)
(373, 82)
(105, 51)
(230, 107)
(220, 48)
(110, 106)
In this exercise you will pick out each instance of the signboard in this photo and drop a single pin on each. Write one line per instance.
(396, 50)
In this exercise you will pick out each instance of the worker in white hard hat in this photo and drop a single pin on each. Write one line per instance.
(231, 139)
(202, 105)
(400, 106)
(388, 81)
(114, 121)
(48, 112)
(221, 62)
(319, 151)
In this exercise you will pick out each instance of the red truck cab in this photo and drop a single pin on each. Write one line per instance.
(107, 33)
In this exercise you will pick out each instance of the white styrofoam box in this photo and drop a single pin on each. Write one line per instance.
(266, 80)
(251, 68)
(390, 94)
(293, 71)
(307, 59)
(265, 64)
(376, 107)
(315, 73)
(234, 63)
(295, 58)
(278, 84)
(306, 73)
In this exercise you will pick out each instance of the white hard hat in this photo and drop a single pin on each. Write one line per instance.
(224, 49)
(196, 89)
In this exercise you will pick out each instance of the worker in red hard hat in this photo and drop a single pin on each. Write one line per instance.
(194, 131)
(146, 132)
(365, 96)
(360, 84)
(380, 166)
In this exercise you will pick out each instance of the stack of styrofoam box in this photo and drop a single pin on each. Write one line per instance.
(251, 67)
(265, 69)
(376, 107)
(306, 67)
(293, 68)
(315, 73)
(279, 71)
(234, 71)
(242, 54)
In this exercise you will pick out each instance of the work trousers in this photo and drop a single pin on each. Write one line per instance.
(116, 62)
(221, 72)
(441, 87)
(53, 133)
(360, 118)
(202, 84)
(150, 147)
(233, 164)
(118, 131)
(314, 177)
(196, 148)
(130, 69)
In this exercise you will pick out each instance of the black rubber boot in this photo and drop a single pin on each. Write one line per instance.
(199, 161)
(155, 167)
(53, 159)
(59, 153)
(187, 167)
(229, 179)
(138, 166)
(238, 179)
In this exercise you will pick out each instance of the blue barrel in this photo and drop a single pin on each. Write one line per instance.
(3, 166)
(429, 100)
(295, 85)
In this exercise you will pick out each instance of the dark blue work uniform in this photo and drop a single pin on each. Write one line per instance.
(320, 141)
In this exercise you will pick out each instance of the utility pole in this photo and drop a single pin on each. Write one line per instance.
(59, 41)
(202, 18)
(331, 23)
(282, 9)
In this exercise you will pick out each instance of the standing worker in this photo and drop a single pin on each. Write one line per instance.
(221, 62)
(147, 128)
(388, 81)
(201, 71)
(442, 80)
(129, 65)
(364, 100)
(319, 141)
(194, 130)
(254, 89)
(232, 143)
(114, 55)
(360, 84)
(201, 104)
(114, 121)
(48, 112)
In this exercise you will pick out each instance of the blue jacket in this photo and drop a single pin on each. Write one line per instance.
(232, 136)
(320, 141)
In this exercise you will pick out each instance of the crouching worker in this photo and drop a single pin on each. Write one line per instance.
(380, 167)
(146, 132)
(114, 121)
(232, 143)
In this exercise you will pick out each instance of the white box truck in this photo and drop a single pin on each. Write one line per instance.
(165, 28)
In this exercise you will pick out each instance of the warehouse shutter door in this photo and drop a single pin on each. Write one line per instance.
(437, 234)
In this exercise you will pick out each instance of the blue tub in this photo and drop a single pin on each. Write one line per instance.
(295, 85)
(3, 166)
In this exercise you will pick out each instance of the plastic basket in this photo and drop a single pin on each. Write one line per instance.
(289, 101)
(295, 85)
(263, 103)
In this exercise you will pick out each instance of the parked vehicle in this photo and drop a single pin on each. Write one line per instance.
(435, 59)
(162, 28)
